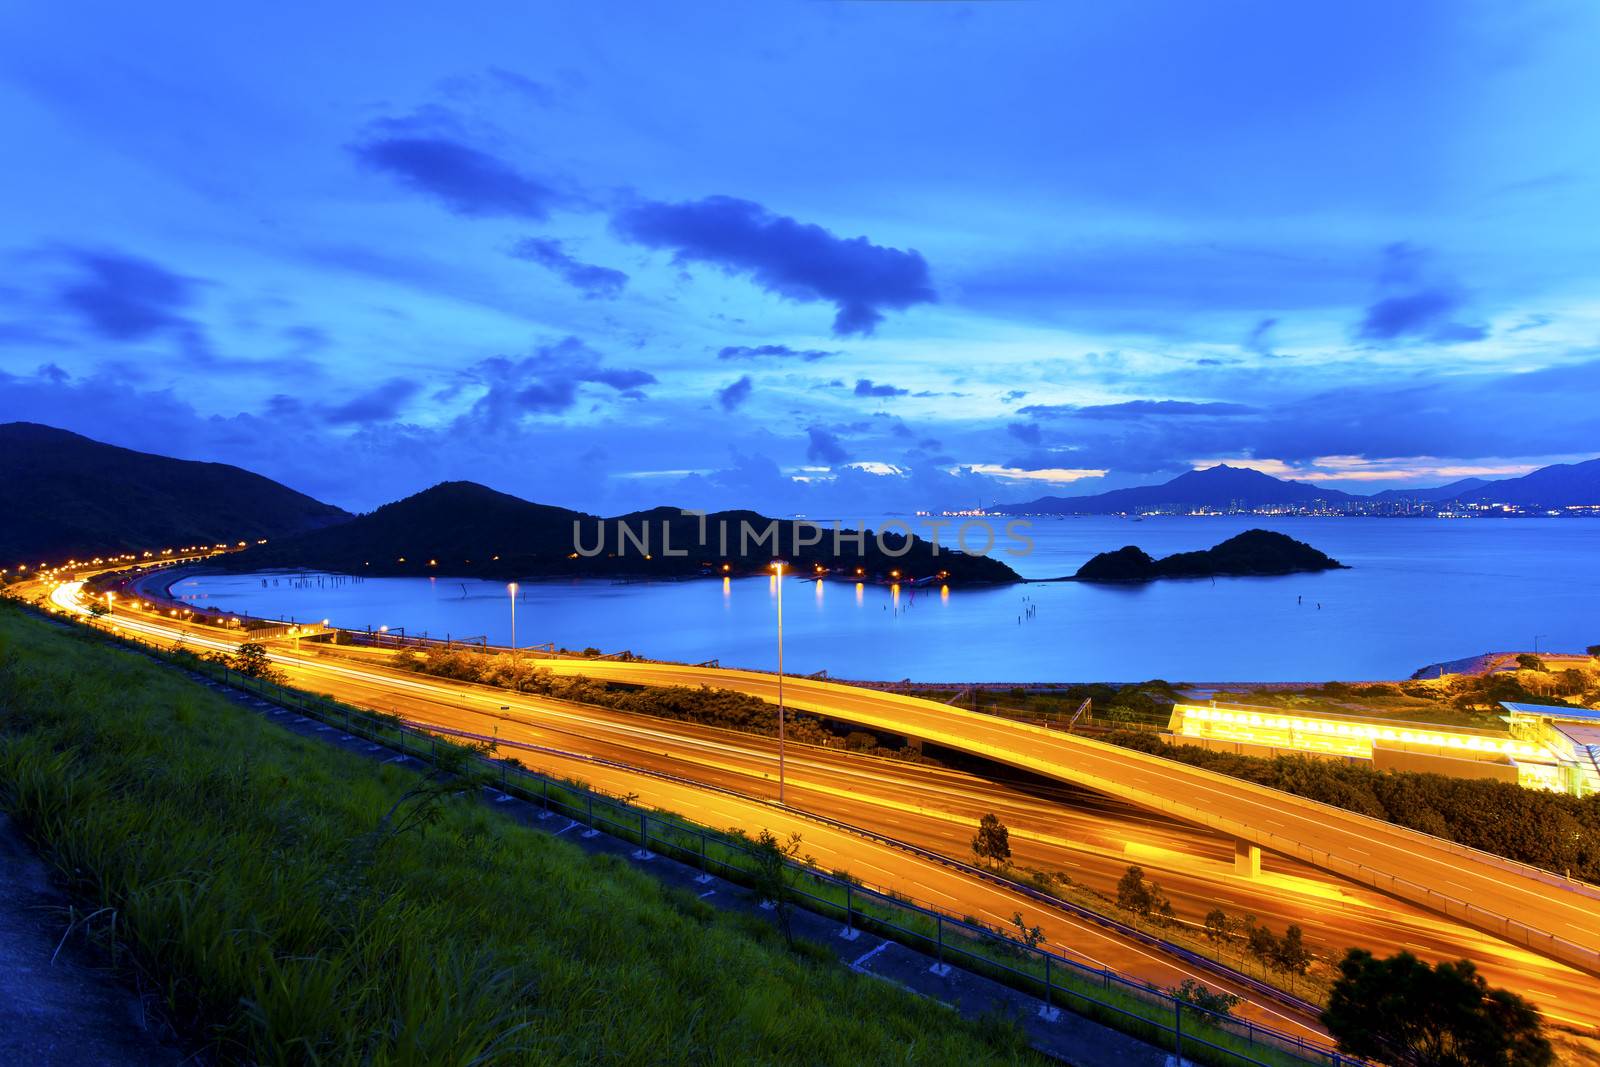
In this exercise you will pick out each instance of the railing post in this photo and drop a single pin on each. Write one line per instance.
(1177, 1029)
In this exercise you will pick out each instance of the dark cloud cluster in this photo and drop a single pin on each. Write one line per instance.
(824, 446)
(797, 260)
(736, 393)
(464, 179)
(544, 383)
(809, 355)
(1414, 306)
(588, 278)
(127, 298)
(381, 403)
(867, 387)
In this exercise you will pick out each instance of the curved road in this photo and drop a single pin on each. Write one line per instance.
(1527, 907)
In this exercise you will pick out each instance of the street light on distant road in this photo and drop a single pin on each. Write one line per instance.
(777, 570)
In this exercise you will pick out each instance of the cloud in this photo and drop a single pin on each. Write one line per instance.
(592, 280)
(1026, 432)
(1257, 340)
(1012, 396)
(545, 383)
(1137, 409)
(810, 355)
(823, 447)
(379, 404)
(127, 298)
(866, 387)
(737, 393)
(465, 180)
(800, 261)
(1413, 307)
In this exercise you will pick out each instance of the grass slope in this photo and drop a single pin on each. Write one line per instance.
(245, 875)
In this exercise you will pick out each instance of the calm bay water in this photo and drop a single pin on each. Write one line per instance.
(1419, 591)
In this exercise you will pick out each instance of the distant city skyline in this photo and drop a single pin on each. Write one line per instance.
(811, 257)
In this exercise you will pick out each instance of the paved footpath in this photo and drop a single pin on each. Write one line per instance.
(68, 1011)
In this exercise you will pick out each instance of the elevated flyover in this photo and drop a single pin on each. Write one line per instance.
(1538, 910)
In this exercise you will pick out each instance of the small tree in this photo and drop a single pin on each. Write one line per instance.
(251, 661)
(1141, 896)
(1401, 1010)
(1529, 662)
(992, 842)
(770, 876)
(1218, 926)
(1031, 936)
(98, 609)
(1593, 650)
(1292, 954)
(1197, 995)
(1262, 943)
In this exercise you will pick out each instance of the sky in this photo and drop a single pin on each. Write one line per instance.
(821, 258)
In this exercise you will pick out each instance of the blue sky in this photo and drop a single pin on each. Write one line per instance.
(828, 257)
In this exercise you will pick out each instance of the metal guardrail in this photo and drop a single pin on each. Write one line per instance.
(1167, 1020)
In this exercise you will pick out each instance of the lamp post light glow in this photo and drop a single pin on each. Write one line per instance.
(511, 587)
(777, 569)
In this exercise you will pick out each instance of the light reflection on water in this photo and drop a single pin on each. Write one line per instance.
(1420, 591)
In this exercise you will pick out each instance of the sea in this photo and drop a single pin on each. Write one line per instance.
(1418, 591)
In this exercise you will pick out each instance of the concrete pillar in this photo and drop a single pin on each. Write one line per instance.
(1246, 859)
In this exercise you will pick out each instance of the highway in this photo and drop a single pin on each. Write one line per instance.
(1089, 838)
(1533, 909)
(535, 720)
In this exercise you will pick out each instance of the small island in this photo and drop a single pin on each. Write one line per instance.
(1252, 553)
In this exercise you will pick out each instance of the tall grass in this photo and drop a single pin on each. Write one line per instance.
(262, 886)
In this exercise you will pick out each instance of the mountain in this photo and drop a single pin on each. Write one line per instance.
(1560, 486)
(65, 496)
(1254, 552)
(469, 530)
(1453, 491)
(1215, 487)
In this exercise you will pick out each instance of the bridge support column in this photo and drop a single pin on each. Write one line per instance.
(1246, 859)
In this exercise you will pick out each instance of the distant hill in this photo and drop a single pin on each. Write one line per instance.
(470, 530)
(1453, 491)
(1559, 486)
(1216, 487)
(1254, 552)
(63, 495)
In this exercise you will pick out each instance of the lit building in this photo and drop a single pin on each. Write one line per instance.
(1541, 747)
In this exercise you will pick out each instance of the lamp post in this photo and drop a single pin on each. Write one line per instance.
(777, 568)
(511, 587)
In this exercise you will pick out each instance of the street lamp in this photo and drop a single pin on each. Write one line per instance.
(511, 587)
(777, 569)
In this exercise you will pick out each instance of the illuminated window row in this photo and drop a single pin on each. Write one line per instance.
(1358, 730)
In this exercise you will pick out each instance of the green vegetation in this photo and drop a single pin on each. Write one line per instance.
(1193, 992)
(292, 903)
(698, 704)
(1142, 896)
(1401, 1010)
(1555, 831)
(992, 842)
